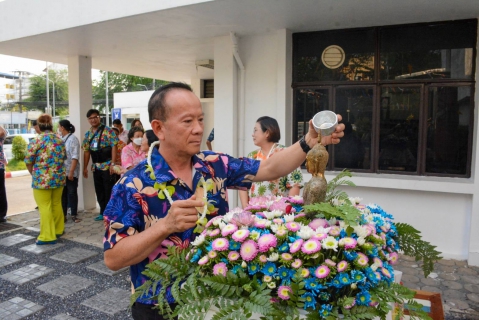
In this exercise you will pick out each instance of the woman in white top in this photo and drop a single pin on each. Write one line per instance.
(266, 135)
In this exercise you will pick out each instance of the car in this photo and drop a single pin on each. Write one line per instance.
(7, 144)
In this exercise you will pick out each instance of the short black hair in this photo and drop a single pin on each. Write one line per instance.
(92, 111)
(34, 123)
(117, 121)
(157, 110)
(132, 132)
(271, 125)
(116, 130)
(151, 136)
(67, 125)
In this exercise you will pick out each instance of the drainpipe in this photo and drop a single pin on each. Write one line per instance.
(241, 90)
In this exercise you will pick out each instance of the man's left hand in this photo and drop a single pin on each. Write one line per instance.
(334, 138)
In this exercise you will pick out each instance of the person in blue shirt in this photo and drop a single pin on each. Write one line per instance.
(154, 205)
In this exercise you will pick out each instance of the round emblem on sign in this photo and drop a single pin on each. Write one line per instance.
(333, 57)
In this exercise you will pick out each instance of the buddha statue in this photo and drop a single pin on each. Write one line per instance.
(316, 161)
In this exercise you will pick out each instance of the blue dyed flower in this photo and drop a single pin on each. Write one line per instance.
(209, 248)
(197, 256)
(234, 246)
(371, 275)
(225, 261)
(350, 255)
(236, 269)
(312, 284)
(357, 276)
(325, 310)
(253, 268)
(309, 300)
(285, 273)
(284, 247)
(336, 283)
(269, 269)
(344, 279)
(363, 298)
(324, 296)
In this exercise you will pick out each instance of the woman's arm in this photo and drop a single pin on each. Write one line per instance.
(244, 198)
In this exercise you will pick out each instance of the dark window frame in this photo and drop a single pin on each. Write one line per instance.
(377, 84)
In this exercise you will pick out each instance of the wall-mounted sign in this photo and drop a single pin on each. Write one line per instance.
(333, 57)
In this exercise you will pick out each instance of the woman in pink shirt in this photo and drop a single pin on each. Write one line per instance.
(132, 154)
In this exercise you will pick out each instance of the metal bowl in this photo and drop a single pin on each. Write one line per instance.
(326, 122)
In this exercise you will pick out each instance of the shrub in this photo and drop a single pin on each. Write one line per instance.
(19, 147)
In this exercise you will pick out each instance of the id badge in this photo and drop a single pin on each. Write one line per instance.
(95, 145)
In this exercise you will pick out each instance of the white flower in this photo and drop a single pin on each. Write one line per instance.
(227, 217)
(305, 232)
(243, 265)
(342, 224)
(329, 243)
(222, 225)
(361, 241)
(360, 231)
(354, 286)
(268, 224)
(268, 204)
(271, 285)
(288, 217)
(216, 222)
(323, 230)
(267, 279)
(199, 240)
(269, 214)
(254, 235)
(341, 242)
(332, 222)
(273, 257)
(355, 200)
(374, 266)
(337, 202)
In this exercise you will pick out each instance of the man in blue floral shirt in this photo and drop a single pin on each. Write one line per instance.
(155, 204)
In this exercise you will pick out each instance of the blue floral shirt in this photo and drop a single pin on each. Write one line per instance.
(135, 204)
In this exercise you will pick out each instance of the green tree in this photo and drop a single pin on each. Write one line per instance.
(19, 147)
(38, 95)
(118, 82)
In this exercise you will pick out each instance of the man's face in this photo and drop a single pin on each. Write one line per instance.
(119, 127)
(183, 129)
(94, 120)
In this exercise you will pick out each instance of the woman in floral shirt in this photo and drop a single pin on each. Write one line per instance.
(45, 161)
(266, 135)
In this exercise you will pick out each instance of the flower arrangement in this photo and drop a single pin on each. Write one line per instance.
(279, 259)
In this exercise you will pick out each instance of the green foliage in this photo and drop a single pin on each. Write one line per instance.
(412, 245)
(15, 165)
(19, 147)
(37, 90)
(345, 212)
(118, 82)
(332, 191)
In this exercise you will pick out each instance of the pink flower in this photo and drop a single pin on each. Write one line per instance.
(297, 263)
(233, 256)
(330, 262)
(279, 205)
(386, 272)
(220, 244)
(393, 258)
(362, 260)
(267, 241)
(320, 236)
(296, 246)
(342, 265)
(379, 262)
(286, 256)
(281, 232)
(260, 223)
(211, 221)
(244, 218)
(278, 221)
(263, 258)
(293, 226)
(311, 246)
(305, 272)
(349, 306)
(212, 254)
(284, 292)
(203, 260)
(214, 233)
(228, 229)
(240, 235)
(349, 243)
(334, 231)
(321, 272)
(249, 250)
(316, 223)
(220, 269)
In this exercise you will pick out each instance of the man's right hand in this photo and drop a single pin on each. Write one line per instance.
(85, 173)
(183, 214)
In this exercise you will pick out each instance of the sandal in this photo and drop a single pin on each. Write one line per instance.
(75, 219)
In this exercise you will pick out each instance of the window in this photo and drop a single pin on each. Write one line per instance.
(406, 95)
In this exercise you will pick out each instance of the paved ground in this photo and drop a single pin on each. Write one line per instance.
(457, 282)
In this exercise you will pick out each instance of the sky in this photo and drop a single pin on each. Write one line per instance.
(8, 64)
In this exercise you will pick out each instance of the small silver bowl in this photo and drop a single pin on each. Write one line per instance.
(326, 122)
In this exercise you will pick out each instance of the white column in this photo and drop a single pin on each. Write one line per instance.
(226, 84)
(80, 101)
(284, 93)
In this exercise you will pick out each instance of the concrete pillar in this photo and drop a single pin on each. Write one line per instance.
(226, 98)
(80, 101)
(284, 93)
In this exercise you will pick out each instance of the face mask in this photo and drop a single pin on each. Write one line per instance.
(137, 141)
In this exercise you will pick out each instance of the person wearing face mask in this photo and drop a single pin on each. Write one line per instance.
(132, 154)
(72, 146)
